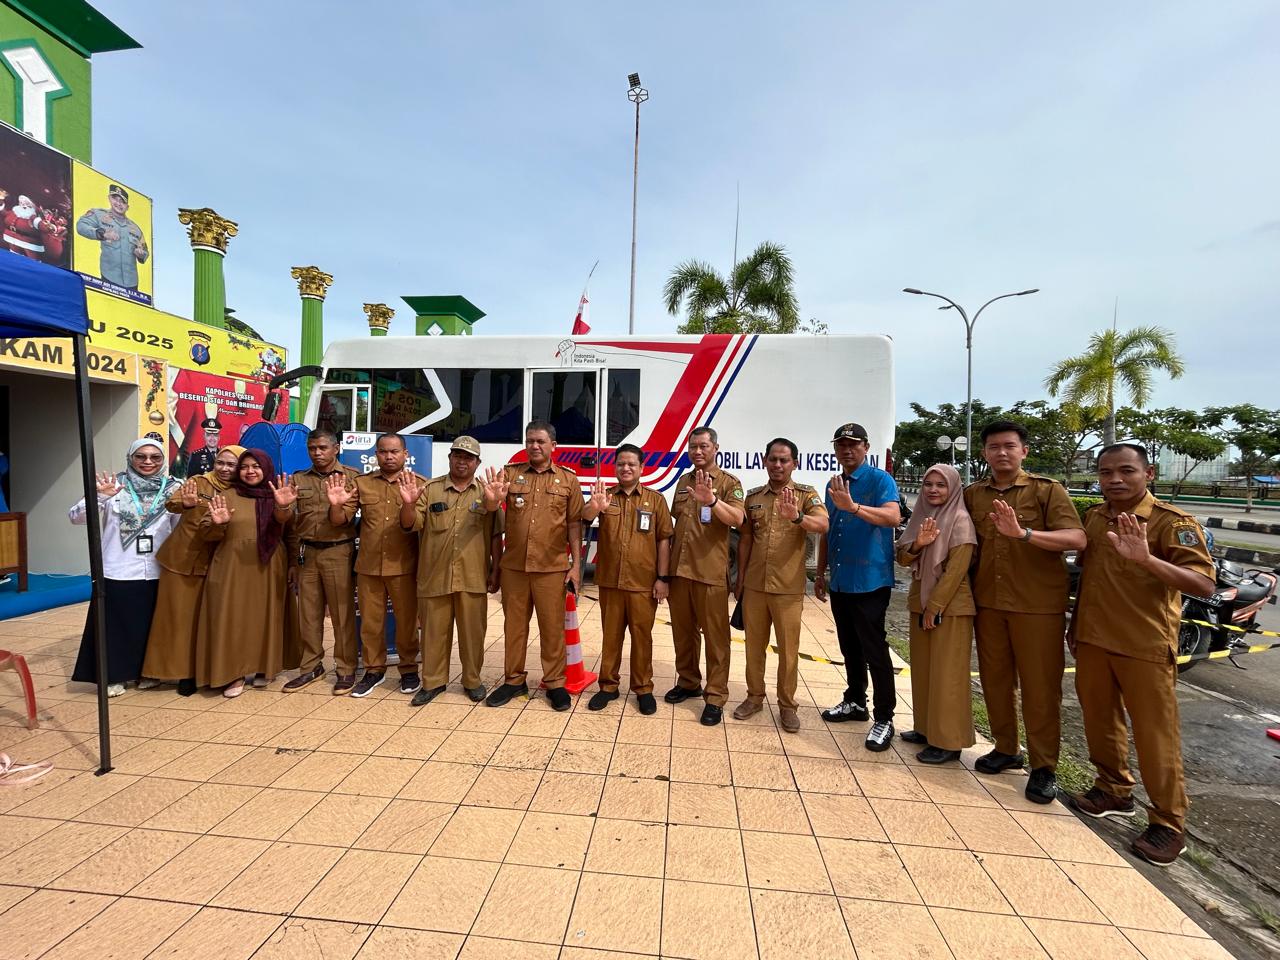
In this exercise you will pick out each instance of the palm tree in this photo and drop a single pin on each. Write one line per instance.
(1114, 360)
(758, 296)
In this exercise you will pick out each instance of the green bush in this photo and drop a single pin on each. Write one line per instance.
(1084, 503)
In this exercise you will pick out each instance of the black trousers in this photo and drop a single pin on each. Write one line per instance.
(860, 630)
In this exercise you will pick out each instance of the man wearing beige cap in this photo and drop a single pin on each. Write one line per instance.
(459, 546)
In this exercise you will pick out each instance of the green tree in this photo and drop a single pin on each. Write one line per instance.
(915, 443)
(1255, 432)
(757, 297)
(1116, 362)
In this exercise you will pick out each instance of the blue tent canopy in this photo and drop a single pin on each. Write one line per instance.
(37, 300)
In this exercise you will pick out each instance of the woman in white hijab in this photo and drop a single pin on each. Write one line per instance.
(131, 505)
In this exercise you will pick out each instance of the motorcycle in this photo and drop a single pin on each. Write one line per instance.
(1214, 623)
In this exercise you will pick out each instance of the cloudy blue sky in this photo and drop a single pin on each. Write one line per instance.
(1093, 150)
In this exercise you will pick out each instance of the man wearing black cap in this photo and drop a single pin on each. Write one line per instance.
(123, 245)
(862, 502)
(202, 460)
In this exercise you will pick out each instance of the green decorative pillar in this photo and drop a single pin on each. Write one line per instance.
(455, 316)
(313, 283)
(379, 315)
(208, 233)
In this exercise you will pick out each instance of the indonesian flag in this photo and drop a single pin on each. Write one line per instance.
(580, 325)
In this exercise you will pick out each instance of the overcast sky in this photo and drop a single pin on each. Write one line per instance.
(1092, 150)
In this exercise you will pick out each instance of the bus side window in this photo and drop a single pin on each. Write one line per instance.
(567, 400)
(624, 404)
(487, 405)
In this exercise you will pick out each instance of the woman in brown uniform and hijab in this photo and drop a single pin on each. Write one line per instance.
(938, 546)
(184, 561)
(242, 623)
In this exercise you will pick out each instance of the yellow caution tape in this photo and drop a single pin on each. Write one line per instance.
(1232, 628)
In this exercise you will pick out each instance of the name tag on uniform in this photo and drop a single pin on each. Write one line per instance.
(645, 519)
(145, 544)
(705, 514)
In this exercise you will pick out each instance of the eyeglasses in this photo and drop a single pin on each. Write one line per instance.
(149, 458)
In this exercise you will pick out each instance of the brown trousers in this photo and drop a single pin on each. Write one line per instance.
(523, 594)
(1023, 650)
(940, 700)
(374, 591)
(439, 615)
(620, 611)
(326, 580)
(781, 611)
(1108, 684)
(701, 611)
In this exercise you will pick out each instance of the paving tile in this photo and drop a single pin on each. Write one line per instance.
(482, 720)
(890, 931)
(1007, 790)
(443, 895)
(306, 734)
(148, 756)
(761, 770)
(842, 816)
(337, 820)
(861, 868)
(891, 781)
(214, 934)
(640, 761)
(68, 800)
(527, 903)
(628, 847)
(628, 799)
(201, 727)
(1066, 838)
(777, 861)
(706, 921)
(971, 934)
(199, 872)
(201, 809)
(137, 802)
(639, 729)
(124, 863)
(10, 895)
(406, 826)
(705, 853)
(602, 729)
(127, 928)
(278, 880)
(1087, 941)
(582, 756)
(378, 876)
(691, 765)
(799, 926)
(552, 840)
(202, 761)
(260, 767)
(990, 830)
(392, 943)
(540, 723)
(379, 777)
(439, 716)
(1168, 946)
(573, 793)
(913, 822)
(19, 832)
(697, 736)
(775, 811)
(478, 833)
(823, 775)
(952, 878)
(254, 731)
(1128, 899)
(268, 815)
(597, 920)
(464, 746)
(363, 738)
(44, 918)
(56, 852)
(441, 782)
(504, 787)
(753, 738)
(302, 938)
(489, 948)
(955, 786)
(1037, 887)
(318, 771)
(701, 804)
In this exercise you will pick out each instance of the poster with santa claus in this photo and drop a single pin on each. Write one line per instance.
(35, 199)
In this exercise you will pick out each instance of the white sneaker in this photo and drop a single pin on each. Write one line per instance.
(147, 683)
(115, 689)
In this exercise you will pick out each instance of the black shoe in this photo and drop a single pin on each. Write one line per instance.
(476, 694)
(879, 736)
(997, 762)
(425, 696)
(302, 679)
(648, 706)
(186, 688)
(1042, 785)
(711, 715)
(500, 695)
(366, 683)
(679, 694)
(846, 710)
(936, 755)
(913, 736)
(410, 683)
(558, 697)
(602, 699)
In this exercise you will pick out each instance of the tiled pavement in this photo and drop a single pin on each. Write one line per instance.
(305, 825)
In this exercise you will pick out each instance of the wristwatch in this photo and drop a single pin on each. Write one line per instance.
(799, 519)
(1026, 534)
(665, 578)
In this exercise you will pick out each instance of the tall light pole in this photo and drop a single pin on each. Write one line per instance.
(968, 347)
(637, 95)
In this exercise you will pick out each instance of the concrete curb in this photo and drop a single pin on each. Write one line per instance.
(1249, 526)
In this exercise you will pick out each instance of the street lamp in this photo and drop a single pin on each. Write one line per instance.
(968, 346)
(959, 443)
(637, 95)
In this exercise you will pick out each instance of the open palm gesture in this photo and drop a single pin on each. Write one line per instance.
(600, 498)
(1130, 538)
(410, 488)
(336, 489)
(108, 485)
(702, 490)
(496, 486)
(840, 496)
(219, 512)
(788, 509)
(927, 533)
(190, 494)
(284, 492)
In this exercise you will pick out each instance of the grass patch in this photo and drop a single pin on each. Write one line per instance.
(1074, 776)
(1200, 857)
(901, 647)
(1265, 917)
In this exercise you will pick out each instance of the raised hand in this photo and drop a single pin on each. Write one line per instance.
(336, 489)
(840, 496)
(108, 485)
(600, 498)
(788, 509)
(702, 490)
(927, 533)
(1006, 519)
(410, 488)
(190, 494)
(496, 486)
(219, 512)
(285, 493)
(1130, 538)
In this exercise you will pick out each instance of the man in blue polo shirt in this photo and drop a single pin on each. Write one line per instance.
(863, 505)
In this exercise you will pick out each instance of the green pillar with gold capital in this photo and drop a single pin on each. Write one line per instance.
(379, 315)
(208, 233)
(313, 283)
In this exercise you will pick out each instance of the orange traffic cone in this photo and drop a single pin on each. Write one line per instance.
(576, 678)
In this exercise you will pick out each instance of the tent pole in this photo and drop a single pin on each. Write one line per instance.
(94, 519)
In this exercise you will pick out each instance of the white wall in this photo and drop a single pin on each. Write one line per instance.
(44, 459)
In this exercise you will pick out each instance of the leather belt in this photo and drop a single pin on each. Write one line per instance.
(326, 544)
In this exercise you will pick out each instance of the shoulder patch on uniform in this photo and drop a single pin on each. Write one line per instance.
(804, 487)
(1188, 535)
(737, 493)
(754, 490)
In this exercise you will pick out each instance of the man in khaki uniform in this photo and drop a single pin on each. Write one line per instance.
(386, 565)
(540, 561)
(321, 550)
(459, 546)
(1020, 586)
(632, 559)
(771, 577)
(707, 503)
(1142, 556)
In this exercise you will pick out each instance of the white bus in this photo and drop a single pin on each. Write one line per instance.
(600, 392)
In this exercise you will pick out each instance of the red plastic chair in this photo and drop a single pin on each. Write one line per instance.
(18, 663)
